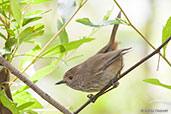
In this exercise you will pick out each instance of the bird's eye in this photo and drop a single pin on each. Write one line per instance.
(70, 77)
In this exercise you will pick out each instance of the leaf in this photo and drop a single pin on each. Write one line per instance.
(29, 20)
(1, 35)
(36, 13)
(11, 32)
(40, 1)
(66, 9)
(31, 32)
(2, 12)
(46, 70)
(16, 11)
(166, 33)
(10, 42)
(61, 48)
(156, 82)
(25, 97)
(4, 2)
(87, 22)
(33, 16)
(25, 105)
(106, 17)
(63, 35)
(8, 102)
(25, 34)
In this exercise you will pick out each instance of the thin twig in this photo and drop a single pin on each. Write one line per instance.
(122, 75)
(33, 86)
(26, 5)
(51, 40)
(9, 18)
(130, 23)
(3, 22)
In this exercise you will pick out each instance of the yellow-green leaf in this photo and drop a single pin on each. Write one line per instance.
(157, 82)
(16, 11)
(166, 33)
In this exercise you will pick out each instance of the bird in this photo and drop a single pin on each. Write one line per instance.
(98, 70)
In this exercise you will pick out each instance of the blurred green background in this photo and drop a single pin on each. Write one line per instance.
(132, 95)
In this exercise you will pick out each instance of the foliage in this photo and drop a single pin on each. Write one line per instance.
(14, 107)
(24, 28)
(166, 33)
(156, 82)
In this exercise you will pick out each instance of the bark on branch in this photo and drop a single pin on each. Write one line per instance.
(33, 86)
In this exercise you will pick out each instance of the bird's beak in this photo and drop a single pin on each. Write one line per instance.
(60, 82)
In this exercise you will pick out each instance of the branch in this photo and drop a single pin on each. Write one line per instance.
(122, 75)
(3, 22)
(140, 32)
(33, 86)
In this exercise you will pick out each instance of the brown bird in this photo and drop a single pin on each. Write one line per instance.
(96, 72)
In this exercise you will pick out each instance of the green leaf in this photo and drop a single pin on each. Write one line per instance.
(61, 48)
(29, 20)
(24, 97)
(156, 82)
(16, 11)
(33, 16)
(46, 70)
(11, 32)
(36, 13)
(3, 2)
(8, 102)
(10, 42)
(25, 34)
(40, 1)
(1, 35)
(25, 105)
(87, 22)
(63, 35)
(106, 17)
(66, 9)
(31, 32)
(166, 33)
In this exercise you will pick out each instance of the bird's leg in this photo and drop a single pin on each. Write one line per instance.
(91, 96)
(115, 85)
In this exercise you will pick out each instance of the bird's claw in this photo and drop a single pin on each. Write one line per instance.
(91, 97)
